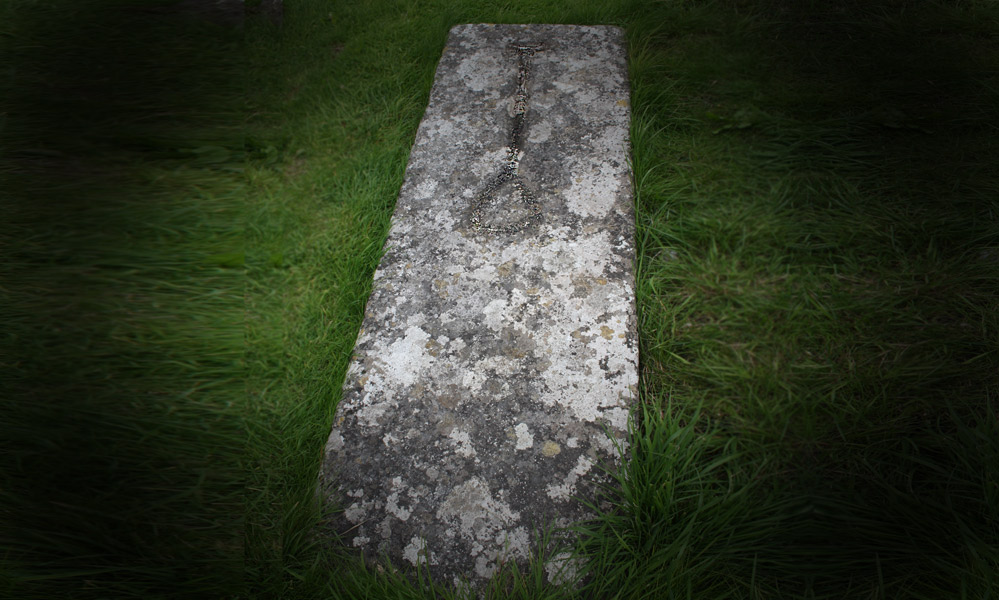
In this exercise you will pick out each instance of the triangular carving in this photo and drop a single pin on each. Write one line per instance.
(522, 210)
(506, 205)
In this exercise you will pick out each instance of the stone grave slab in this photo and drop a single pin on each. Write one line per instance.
(498, 355)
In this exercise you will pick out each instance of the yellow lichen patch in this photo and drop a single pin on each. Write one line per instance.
(582, 285)
(550, 449)
(606, 332)
(433, 347)
(515, 352)
(449, 401)
(505, 269)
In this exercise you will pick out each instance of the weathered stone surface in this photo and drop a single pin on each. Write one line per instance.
(498, 354)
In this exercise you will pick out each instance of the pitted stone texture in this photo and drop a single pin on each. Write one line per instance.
(494, 369)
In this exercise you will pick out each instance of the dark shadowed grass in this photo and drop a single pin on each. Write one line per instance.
(193, 214)
(122, 303)
(817, 267)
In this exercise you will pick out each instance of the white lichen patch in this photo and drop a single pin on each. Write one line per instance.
(514, 543)
(495, 314)
(425, 189)
(392, 506)
(591, 374)
(334, 443)
(477, 514)
(497, 365)
(473, 380)
(592, 193)
(540, 133)
(417, 550)
(589, 399)
(355, 512)
(371, 412)
(611, 447)
(612, 140)
(485, 566)
(486, 273)
(507, 545)
(392, 502)
(564, 490)
(563, 568)
(524, 438)
(484, 70)
(462, 443)
(405, 359)
(485, 163)
(570, 255)
(455, 345)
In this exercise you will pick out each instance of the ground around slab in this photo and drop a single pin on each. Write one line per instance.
(188, 244)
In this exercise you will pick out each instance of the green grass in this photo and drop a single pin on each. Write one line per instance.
(192, 215)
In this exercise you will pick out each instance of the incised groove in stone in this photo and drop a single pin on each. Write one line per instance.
(510, 171)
